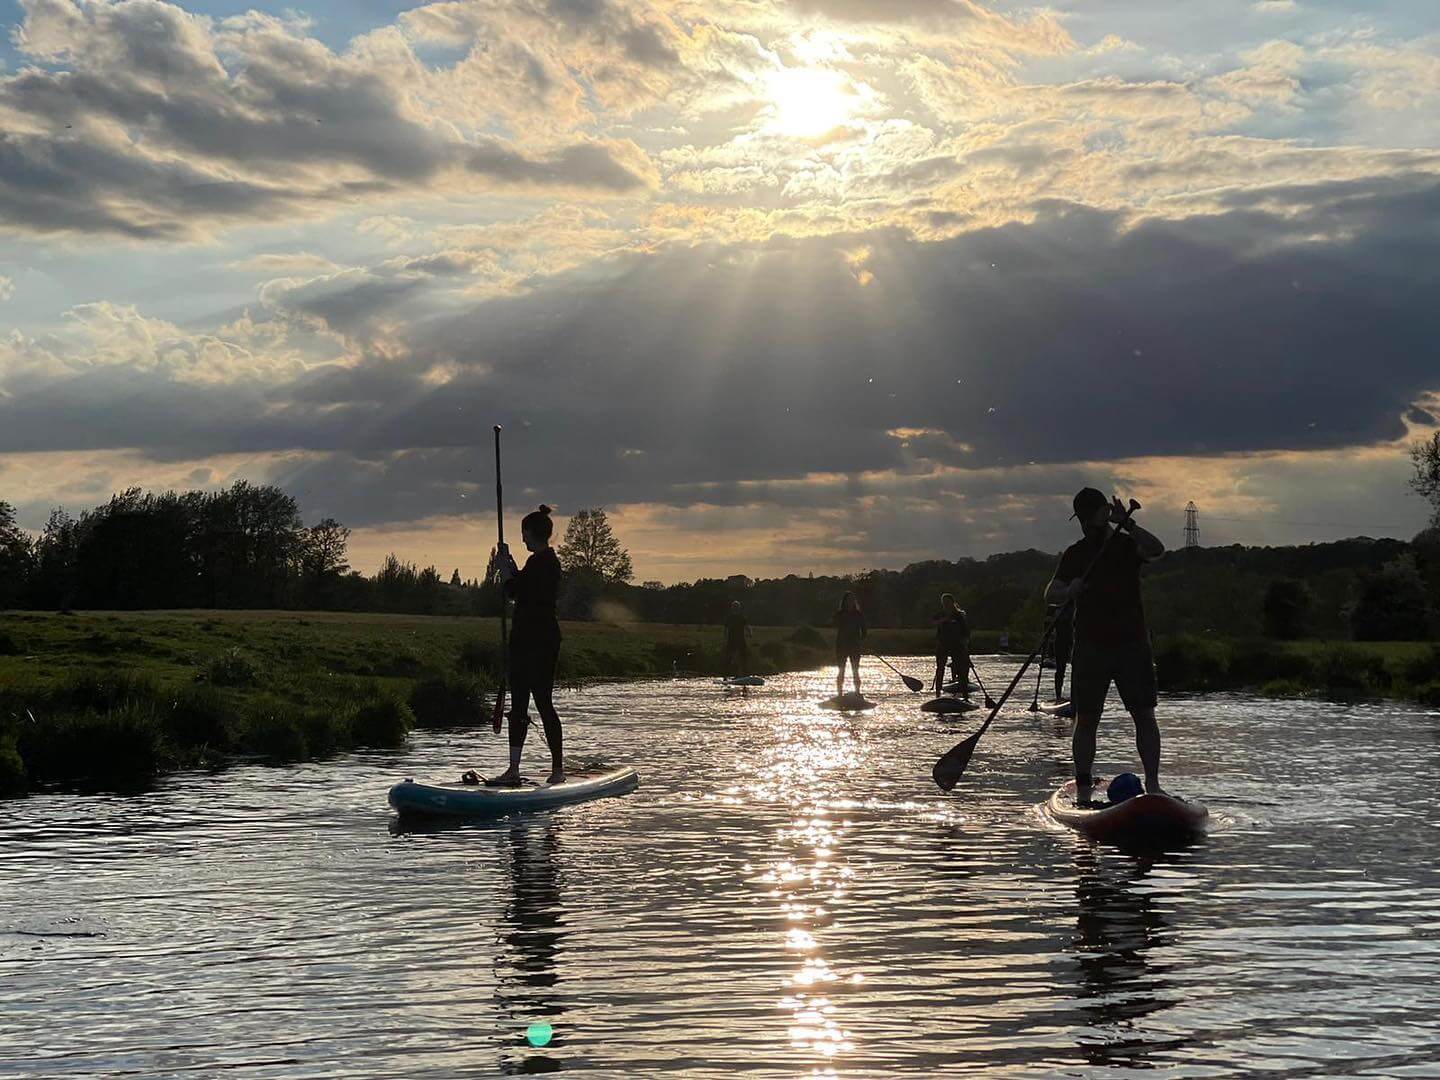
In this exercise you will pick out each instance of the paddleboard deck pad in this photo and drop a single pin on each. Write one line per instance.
(1144, 819)
(1057, 708)
(848, 703)
(742, 680)
(948, 705)
(457, 800)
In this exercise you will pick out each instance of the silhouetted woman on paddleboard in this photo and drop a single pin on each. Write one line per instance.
(849, 633)
(534, 643)
(952, 643)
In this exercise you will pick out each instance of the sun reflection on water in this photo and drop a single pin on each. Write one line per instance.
(810, 876)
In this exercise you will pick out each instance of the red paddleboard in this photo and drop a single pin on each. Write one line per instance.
(1140, 820)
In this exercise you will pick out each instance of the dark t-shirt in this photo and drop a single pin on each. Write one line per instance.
(1109, 611)
(952, 632)
(849, 628)
(534, 590)
(735, 630)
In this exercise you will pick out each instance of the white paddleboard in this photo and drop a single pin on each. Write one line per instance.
(442, 799)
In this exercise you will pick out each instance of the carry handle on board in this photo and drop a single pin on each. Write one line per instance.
(950, 768)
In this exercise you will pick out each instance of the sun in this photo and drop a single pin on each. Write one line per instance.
(806, 102)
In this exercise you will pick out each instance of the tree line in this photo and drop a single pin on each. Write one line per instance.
(247, 547)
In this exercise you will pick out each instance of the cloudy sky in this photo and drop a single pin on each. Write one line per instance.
(783, 284)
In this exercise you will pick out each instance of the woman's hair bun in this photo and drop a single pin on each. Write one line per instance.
(543, 509)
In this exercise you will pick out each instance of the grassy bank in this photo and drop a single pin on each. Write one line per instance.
(114, 699)
(1337, 670)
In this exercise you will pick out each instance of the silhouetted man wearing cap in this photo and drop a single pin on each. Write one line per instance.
(1110, 639)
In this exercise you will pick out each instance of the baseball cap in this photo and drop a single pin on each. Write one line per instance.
(1087, 501)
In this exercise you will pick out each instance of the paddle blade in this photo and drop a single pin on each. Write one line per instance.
(499, 713)
(913, 684)
(950, 768)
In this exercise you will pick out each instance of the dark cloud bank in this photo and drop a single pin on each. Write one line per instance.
(1089, 339)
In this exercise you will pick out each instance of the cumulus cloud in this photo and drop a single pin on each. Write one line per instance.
(150, 122)
(7, 287)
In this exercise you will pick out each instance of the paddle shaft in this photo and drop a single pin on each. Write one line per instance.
(504, 627)
(989, 701)
(1055, 621)
(908, 679)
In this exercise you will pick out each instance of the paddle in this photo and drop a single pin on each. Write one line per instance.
(989, 701)
(913, 684)
(950, 768)
(1039, 675)
(499, 712)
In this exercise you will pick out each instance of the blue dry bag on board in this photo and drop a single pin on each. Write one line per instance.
(1125, 786)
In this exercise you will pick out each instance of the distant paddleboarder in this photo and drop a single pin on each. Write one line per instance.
(737, 640)
(952, 644)
(534, 643)
(1061, 643)
(1110, 639)
(849, 633)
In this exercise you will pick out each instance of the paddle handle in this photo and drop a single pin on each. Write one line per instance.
(504, 625)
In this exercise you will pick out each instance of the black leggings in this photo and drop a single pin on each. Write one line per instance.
(532, 674)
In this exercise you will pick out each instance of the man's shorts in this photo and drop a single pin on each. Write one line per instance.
(1093, 667)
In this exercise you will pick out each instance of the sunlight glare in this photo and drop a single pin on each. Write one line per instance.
(806, 102)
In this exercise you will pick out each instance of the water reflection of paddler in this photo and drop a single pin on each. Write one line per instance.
(533, 917)
(533, 929)
(1118, 922)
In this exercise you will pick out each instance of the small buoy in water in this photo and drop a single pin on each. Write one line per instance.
(539, 1033)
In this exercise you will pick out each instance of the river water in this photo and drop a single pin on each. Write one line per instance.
(787, 895)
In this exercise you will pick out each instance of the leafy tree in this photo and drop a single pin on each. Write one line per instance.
(1393, 605)
(16, 558)
(1286, 609)
(590, 547)
(1426, 456)
(322, 550)
(54, 581)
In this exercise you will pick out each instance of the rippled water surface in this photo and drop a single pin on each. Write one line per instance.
(786, 895)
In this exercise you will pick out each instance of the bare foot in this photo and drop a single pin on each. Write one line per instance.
(557, 776)
(509, 778)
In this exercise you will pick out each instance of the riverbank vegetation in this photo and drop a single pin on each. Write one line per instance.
(114, 699)
(1338, 671)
